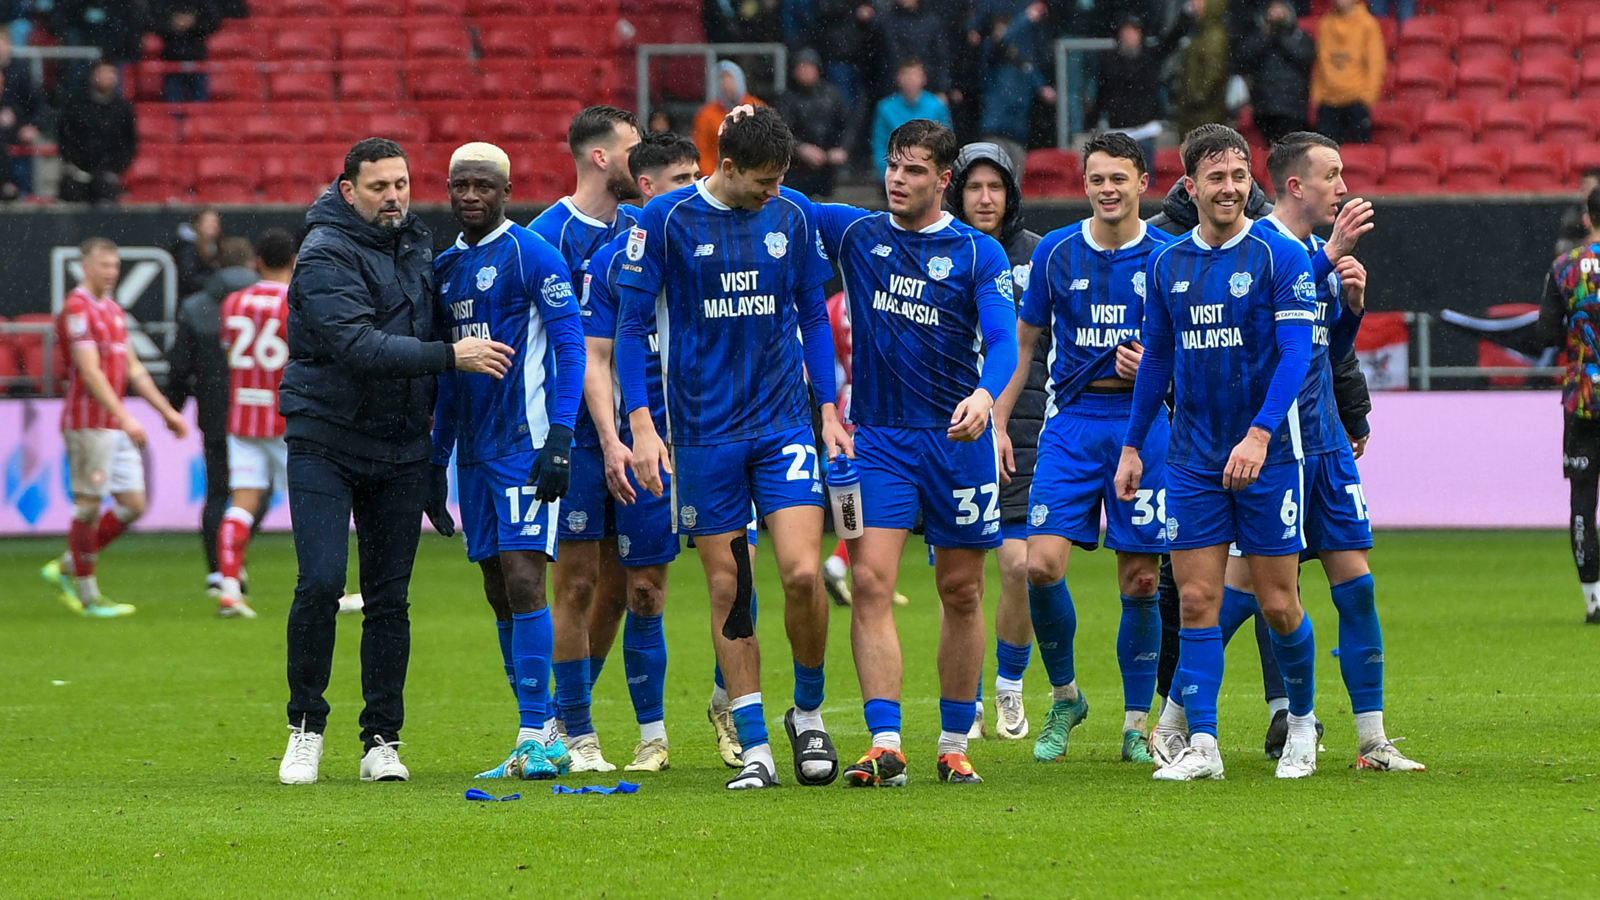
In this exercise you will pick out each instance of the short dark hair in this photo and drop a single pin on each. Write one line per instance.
(594, 124)
(939, 141)
(275, 248)
(758, 140)
(370, 150)
(1116, 145)
(1592, 205)
(1211, 142)
(910, 61)
(1590, 172)
(661, 149)
(235, 251)
(1288, 156)
(94, 245)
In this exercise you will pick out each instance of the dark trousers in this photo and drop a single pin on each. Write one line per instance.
(325, 487)
(1580, 451)
(1275, 128)
(186, 87)
(1346, 124)
(1167, 664)
(218, 491)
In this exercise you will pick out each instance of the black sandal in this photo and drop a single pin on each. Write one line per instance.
(810, 746)
(754, 770)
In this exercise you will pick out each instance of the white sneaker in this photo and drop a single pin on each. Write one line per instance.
(351, 603)
(728, 748)
(1299, 757)
(302, 758)
(382, 763)
(1191, 764)
(979, 729)
(1165, 746)
(1013, 721)
(649, 756)
(1385, 758)
(586, 756)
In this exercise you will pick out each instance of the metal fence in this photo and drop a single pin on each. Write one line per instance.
(711, 53)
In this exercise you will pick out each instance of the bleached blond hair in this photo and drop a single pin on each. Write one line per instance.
(478, 151)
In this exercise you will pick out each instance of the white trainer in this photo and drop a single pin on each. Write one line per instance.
(382, 763)
(302, 758)
(1385, 758)
(586, 756)
(1192, 764)
(1013, 720)
(1165, 746)
(1299, 757)
(649, 756)
(979, 729)
(351, 603)
(721, 718)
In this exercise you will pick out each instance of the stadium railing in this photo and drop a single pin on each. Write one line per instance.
(711, 53)
(1424, 372)
(1071, 70)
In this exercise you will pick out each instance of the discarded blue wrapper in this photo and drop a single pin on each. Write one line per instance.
(625, 787)
(475, 794)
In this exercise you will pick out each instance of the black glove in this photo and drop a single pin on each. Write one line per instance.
(552, 468)
(438, 507)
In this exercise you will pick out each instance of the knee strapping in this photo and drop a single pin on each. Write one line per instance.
(85, 510)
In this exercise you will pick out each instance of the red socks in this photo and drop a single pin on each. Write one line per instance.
(233, 536)
(83, 544)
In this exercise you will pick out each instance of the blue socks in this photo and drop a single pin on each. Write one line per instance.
(644, 661)
(750, 721)
(1297, 659)
(1010, 660)
(1360, 644)
(1200, 673)
(956, 716)
(883, 715)
(572, 695)
(1055, 624)
(503, 630)
(530, 640)
(808, 683)
(1138, 650)
(596, 663)
(1238, 607)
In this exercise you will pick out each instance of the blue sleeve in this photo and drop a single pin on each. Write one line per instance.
(811, 305)
(817, 267)
(631, 351)
(1155, 368)
(599, 301)
(832, 219)
(1036, 299)
(1320, 266)
(1294, 304)
(997, 316)
(551, 285)
(444, 420)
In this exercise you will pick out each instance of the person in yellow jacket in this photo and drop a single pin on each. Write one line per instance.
(1348, 76)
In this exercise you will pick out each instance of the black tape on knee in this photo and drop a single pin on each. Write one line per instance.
(741, 623)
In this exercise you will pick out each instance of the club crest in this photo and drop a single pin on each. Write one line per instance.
(1138, 283)
(939, 268)
(1239, 283)
(577, 521)
(1021, 274)
(777, 244)
(688, 516)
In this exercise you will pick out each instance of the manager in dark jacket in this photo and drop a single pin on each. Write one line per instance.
(365, 344)
(984, 193)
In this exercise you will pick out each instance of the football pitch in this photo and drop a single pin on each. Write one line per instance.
(138, 757)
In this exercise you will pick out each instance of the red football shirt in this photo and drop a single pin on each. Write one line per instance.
(253, 323)
(100, 323)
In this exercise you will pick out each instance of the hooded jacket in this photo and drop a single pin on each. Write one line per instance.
(197, 363)
(1027, 417)
(366, 337)
(708, 121)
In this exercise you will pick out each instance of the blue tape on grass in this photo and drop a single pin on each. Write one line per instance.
(485, 796)
(625, 787)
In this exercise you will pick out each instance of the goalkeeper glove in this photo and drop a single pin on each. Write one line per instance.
(552, 468)
(438, 506)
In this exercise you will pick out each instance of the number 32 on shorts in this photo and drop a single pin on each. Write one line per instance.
(967, 507)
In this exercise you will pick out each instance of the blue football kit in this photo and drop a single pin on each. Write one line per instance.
(933, 319)
(1091, 299)
(740, 319)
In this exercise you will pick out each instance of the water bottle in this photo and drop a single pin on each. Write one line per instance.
(844, 490)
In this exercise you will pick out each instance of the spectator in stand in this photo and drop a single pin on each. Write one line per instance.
(1573, 231)
(96, 138)
(1277, 59)
(659, 122)
(20, 97)
(912, 31)
(851, 42)
(11, 142)
(1403, 9)
(1128, 89)
(1349, 72)
(195, 251)
(114, 26)
(233, 9)
(183, 26)
(731, 92)
(1201, 97)
(1012, 78)
(911, 101)
(821, 125)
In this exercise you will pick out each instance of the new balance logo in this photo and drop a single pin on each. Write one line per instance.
(639, 679)
(1146, 657)
(530, 530)
(529, 682)
(814, 744)
(1375, 659)
(704, 249)
(1190, 690)
(1288, 532)
(1079, 284)
(882, 251)
(1288, 680)
(1181, 287)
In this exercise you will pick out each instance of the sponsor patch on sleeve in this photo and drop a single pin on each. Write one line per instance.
(636, 238)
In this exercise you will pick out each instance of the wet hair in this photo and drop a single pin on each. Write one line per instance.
(660, 149)
(595, 124)
(1117, 145)
(370, 150)
(938, 140)
(1209, 142)
(95, 245)
(235, 251)
(758, 140)
(1288, 156)
(275, 248)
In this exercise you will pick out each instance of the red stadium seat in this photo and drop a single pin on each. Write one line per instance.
(375, 8)
(1053, 173)
(455, 9)
(1395, 123)
(1363, 166)
(1589, 35)
(1580, 7)
(578, 37)
(1522, 9)
(268, 129)
(514, 42)
(438, 43)
(574, 79)
(29, 347)
(235, 42)
(1550, 36)
(216, 128)
(498, 7)
(286, 179)
(1537, 167)
(1581, 157)
(1414, 168)
(400, 128)
(1568, 122)
(1486, 79)
(1589, 78)
(157, 179)
(1546, 80)
(1448, 123)
(1510, 124)
(304, 43)
(10, 361)
(1169, 167)
(1423, 79)
(1483, 37)
(325, 9)
(1435, 35)
(227, 179)
(371, 86)
(370, 43)
(236, 86)
(1458, 8)
(303, 86)
(453, 128)
(442, 83)
(156, 128)
(1476, 167)
(503, 82)
(521, 128)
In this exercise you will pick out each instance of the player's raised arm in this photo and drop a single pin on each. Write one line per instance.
(997, 319)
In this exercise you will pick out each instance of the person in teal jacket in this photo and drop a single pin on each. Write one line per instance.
(912, 101)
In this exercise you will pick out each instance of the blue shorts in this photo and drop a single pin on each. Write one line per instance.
(644, 530)
(498, 511)
(588, 512)
(1264, 519)
(1013, 531)
(1336, 507)
(1076, 472)
(955, 485)
(715, 484)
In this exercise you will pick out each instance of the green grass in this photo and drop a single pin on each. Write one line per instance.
(138, 756)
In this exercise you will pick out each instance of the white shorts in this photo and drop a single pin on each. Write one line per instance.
(102, 461)
(257, 463)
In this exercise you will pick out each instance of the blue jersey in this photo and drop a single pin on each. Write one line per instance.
(914, 298)
(1320, 427)
(1214, 312)
(599, 295)
(578, 237)
(511, 287)
(734, 289)
(1091, 299)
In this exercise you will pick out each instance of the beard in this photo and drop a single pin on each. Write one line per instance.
(621, 186)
